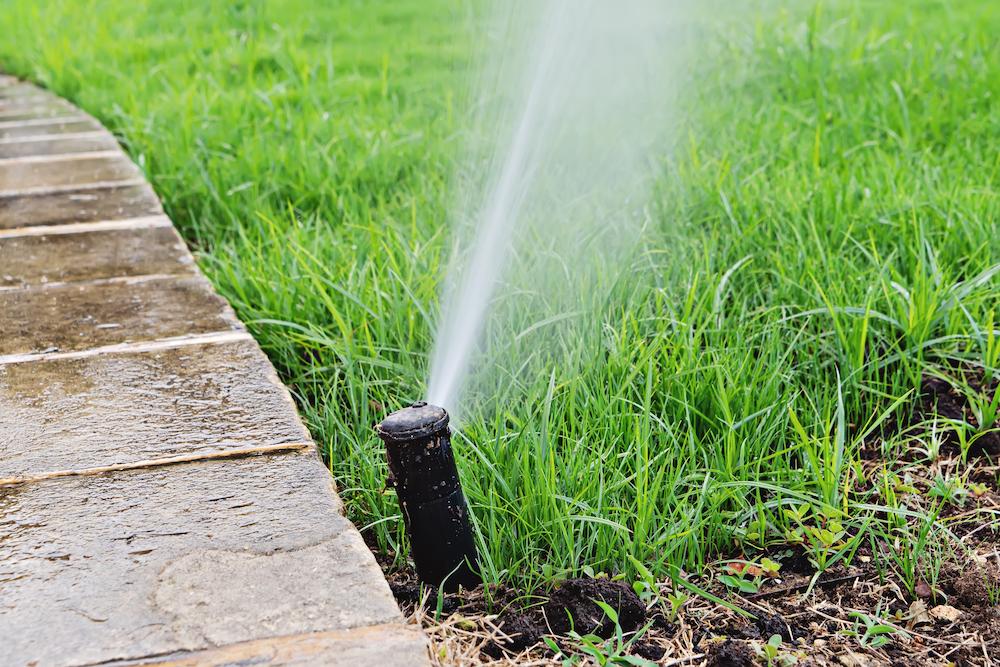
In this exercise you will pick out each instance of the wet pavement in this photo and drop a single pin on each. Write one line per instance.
(180, 558)
(82, 315)
(56, 171)
(125, 407)
(160, 500)
(85, 142)
(74, 254)
(78, 205)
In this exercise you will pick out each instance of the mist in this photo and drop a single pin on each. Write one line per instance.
(572, 112)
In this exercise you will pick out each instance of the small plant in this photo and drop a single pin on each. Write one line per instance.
(645, 587)
(824, 542)
(821, 531)
(977, 489)
(949, 490)
(595, 650)
(677, 600)
(797, 515)
(915, 552)
(742, 577)
(755, 532)
(906, 485)
(992, 591)
(985, 409)
(770, 567)
(934, 439)
(770, 652)
(871, 632)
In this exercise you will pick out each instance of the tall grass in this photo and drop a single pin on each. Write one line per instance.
(824, 235)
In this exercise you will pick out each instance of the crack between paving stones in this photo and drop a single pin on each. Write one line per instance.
(398, 629)
(61, 157)
(184, 271)
(56, 189)
(154, 463)
(215, 338)
(123, 224)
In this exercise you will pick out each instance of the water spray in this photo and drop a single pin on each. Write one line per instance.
(422, 470)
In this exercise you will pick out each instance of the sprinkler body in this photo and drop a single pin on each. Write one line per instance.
(422, 469)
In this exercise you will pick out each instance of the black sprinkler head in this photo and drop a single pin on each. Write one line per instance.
(420, 420)
(422, 469)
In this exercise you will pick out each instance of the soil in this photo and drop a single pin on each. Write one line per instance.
(569, 607)
(952, 620)
(940, 400)
(572, 606)
(730, 653)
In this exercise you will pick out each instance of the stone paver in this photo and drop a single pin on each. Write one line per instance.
(69, 255)
(18, 131)
(62, 172)
(160, 500)
(20, 90)
(11, 111)
(132, 564)
(119, 408)
(87, 142)
(381, 645)
(81, 205)
(74, 316)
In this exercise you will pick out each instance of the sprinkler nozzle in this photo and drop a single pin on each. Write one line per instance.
(422, 469)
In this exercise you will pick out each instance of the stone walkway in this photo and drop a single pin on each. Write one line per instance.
(160, 500)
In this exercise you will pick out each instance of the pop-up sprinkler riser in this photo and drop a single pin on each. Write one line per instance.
(422, 470)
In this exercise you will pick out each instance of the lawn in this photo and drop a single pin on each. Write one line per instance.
(823, 244)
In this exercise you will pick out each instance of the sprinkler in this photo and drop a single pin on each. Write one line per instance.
(422, 469)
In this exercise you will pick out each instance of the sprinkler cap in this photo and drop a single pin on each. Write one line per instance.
(417, 422)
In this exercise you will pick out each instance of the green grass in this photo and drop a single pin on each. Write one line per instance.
(823, 236)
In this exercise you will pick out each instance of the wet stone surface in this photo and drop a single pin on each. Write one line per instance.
(37, 96)
(52, 258)
(54, 127)
(88, 143)
(30, 109)
(65, 172)
(83, 205)
(382, 645)
(126, 565)
(75, 414)
(77, 317)
(16, 89)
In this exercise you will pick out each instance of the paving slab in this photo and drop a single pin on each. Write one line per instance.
(67, 255)
(80, 205)
(126, 407)
(87, 142)
(127, 565)
(33, 109)
(20, 89)
(38, 96)
(70, 116)
(61, 172)
(383, 645)
(81, 316)
(20, 131)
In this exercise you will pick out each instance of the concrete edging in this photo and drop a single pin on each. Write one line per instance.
(162, 501)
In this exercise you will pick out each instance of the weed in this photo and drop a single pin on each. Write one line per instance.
(871, 632)
(771, 653)
(590, 648)
(950, 490)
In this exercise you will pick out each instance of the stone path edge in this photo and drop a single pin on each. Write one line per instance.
(65, 184)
